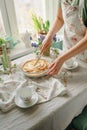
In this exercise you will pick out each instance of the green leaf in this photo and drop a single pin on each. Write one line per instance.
(47, 25)
(36, 22)
(39, 25)
(2, 41)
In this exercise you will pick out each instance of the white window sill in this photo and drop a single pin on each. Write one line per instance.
(20, 50)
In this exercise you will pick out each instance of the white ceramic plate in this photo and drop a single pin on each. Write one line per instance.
(19, 102)
(71, 68)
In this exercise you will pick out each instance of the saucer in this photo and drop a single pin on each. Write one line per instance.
(71, 68)
(20, 103)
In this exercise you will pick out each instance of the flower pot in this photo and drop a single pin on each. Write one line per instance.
(1, 51)
(47, 52)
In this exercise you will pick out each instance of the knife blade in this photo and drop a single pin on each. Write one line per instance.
(38, 58)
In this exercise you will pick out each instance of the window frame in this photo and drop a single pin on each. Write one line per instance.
(9, 17)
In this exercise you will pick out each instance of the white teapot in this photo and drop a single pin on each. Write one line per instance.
(26, 38)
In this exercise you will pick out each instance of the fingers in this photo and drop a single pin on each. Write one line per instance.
(52, 69)
(53, 72)
(42, 50)
(51, 65)
(44, 47)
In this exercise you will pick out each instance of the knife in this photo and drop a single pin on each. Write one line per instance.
(38, 58)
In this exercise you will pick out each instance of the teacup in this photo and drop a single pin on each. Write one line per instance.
(25, 94)
(70, 63)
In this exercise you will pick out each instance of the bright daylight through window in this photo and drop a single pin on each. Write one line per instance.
(24, 9)
(17, 23)
(2, 31)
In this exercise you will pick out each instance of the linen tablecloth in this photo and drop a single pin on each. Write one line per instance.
(53, 115)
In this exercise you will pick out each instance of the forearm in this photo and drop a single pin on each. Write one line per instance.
(78, 48)
(56, 27)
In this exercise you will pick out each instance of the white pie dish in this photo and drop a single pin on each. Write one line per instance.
(34, 74)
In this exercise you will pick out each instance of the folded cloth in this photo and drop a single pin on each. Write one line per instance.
(48, 88)
(80, 122)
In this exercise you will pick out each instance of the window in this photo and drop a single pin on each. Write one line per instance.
(2, 30)
(15, 19)
(23, 9)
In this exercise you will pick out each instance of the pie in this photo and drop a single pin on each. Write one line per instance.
(41, 66)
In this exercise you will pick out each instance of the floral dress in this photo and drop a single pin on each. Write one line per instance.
(74, 29)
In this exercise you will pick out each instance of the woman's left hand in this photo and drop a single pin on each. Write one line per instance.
(55, 66)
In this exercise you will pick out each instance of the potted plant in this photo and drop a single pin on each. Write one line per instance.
(1, 42)
(4, 50)
(42, 28)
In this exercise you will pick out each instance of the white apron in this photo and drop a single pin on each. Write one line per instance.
(74, 29)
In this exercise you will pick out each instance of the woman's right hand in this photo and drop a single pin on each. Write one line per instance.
(45, 44)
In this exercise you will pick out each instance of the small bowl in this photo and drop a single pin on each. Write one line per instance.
(25, 94)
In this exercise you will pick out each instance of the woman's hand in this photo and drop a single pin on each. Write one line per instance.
(45, 44)
(55, 66)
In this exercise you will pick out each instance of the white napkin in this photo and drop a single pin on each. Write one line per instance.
(49, 88)
(46, 88)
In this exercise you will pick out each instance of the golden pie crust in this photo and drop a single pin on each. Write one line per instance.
(41, 66)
